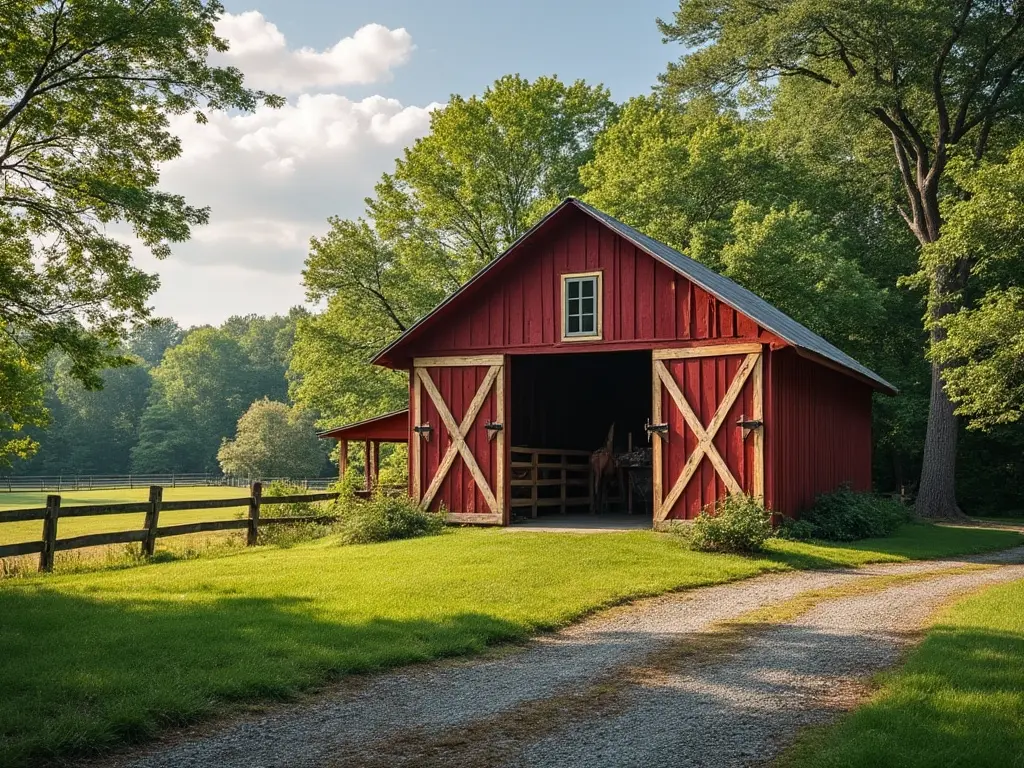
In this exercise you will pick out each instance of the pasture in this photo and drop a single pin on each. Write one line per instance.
(31, 530)
(97, 659)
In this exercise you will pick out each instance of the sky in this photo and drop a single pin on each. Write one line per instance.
(361, 78)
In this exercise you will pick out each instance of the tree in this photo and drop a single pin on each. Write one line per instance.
(150, 341)
(490, 167)
(939, 80)
(85, 94)
(982, 351)
(273, 440)
(21, 395)
(201, 389)
(708, 182)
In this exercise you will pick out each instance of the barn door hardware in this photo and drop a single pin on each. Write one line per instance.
(423, 430)
(652, 429)
(493, 428)
(748, 425)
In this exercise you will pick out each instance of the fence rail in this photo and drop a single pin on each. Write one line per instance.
(58, 483)
(547, 477)
(52, 513)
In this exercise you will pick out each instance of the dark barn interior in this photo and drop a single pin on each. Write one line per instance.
(568, 402)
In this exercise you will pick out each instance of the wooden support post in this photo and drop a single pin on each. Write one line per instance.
(565, 482)
(342, 459)
(534, 477)
(156, 496)
(375, 462)
(367, 486)
(49, 533)
(255, 494)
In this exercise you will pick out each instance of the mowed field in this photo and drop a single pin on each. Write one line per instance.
(96, 659)
(31, 530)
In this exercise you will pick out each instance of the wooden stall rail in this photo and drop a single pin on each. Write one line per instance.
(542, 471)
(151, 530)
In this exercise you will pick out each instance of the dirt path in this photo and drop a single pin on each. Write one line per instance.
(720, 676)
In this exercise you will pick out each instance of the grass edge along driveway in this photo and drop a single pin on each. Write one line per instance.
(958, 700)
(95, 660)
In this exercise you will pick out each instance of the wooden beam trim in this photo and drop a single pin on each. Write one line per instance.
(457, 361)
(714, 350)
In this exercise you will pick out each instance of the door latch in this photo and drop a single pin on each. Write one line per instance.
(748, 425)
(423, 430)
(653, 429)
(493, 428)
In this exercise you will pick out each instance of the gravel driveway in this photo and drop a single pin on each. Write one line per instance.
(670, 681)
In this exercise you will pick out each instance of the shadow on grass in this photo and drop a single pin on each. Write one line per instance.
(81, 675)
(958, 701)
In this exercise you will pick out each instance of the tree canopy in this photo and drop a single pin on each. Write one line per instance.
(273, 440)
(86, 89)
(937, 81)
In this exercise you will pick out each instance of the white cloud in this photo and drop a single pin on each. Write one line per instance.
(260, 50)
(272, 178)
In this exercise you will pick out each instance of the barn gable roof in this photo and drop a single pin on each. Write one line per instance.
(739, 298)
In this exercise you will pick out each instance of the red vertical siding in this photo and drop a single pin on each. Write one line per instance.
(704, 382)
(458, 491)
(818, 432)
(644, 303)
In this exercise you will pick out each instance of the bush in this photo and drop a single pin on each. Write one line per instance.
(384, 518)
(847, 515)
(739, 524)
(286, 534)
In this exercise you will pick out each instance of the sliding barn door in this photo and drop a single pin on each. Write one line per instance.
(458, 441)
(707, 427)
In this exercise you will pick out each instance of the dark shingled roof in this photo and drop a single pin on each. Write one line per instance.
(737, 297)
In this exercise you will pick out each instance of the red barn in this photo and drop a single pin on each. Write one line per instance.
(585, 322)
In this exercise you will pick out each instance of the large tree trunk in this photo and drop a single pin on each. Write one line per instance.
(936, 495)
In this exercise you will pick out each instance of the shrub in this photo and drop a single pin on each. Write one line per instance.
(739, 524)
(286, 534)
(847, 515)
(384, 518)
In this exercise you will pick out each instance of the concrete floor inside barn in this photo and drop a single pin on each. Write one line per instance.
(583, 523)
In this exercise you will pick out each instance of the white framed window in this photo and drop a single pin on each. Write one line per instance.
(581, 306)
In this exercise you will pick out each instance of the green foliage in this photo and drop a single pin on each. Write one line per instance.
(21, 403)
(286, 535)
(738, 524)
(384, 518)
(846, 515)
(85, 95)
(490, 167)
(273, 440)
(981, 345)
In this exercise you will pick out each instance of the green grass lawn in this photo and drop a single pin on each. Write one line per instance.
(32, 530)
(958, 701)
(92, 660)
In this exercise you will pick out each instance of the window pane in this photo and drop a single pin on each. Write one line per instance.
(573, 324)
(588, 286)
(573, 288)
(574, 306)
(588, 306)
(588, 323)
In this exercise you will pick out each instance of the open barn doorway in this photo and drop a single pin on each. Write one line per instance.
(562, 408)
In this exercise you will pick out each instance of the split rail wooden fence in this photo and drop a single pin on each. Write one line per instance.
(53, 512)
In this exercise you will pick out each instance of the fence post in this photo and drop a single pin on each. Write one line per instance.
(256, 493)
(49, 532)
(156, 496)
(130, 486)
